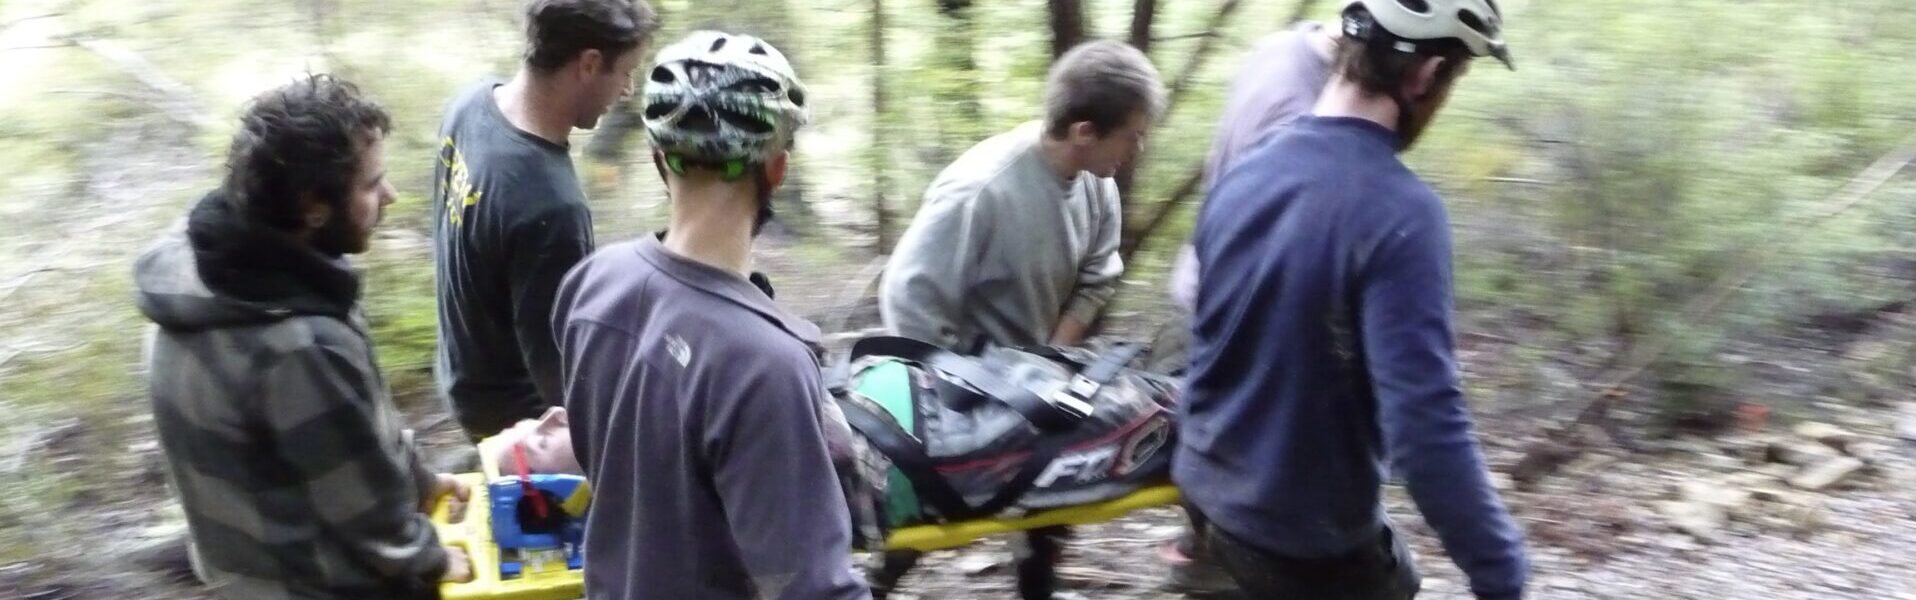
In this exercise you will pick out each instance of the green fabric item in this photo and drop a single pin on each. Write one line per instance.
(889, 384)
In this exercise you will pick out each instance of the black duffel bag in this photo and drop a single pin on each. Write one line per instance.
(944, 437)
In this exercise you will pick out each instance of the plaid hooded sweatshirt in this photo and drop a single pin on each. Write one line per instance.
(280, 438)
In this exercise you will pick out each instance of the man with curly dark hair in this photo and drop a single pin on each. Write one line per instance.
(279, 434)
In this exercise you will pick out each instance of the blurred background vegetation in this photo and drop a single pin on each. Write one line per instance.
(1660, 186)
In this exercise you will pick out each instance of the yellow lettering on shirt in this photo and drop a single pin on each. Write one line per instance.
(458, 185)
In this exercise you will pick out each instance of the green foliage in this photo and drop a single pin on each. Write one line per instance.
(1670, 155)
(399, 297)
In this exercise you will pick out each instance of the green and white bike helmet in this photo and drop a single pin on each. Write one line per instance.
(724, 102)
(1477, 24)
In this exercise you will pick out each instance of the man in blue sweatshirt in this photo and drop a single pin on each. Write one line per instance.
(1322, 341)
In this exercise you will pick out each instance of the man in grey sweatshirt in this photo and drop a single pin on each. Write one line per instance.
(1016, 243)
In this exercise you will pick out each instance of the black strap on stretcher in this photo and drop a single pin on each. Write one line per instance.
(1092, 375)
(1061, 410)
(1052, 416)
(908, 455)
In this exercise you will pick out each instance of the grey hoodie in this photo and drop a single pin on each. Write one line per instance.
(280, 438)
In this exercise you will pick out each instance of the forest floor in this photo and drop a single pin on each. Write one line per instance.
(1597, 530)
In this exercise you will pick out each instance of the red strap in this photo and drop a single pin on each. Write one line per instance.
(525, 481)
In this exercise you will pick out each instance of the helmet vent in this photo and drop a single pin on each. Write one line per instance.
(717, 45)
(755, 85)
(758, 49)
(745, 121)
(1495, 10)
(658, 110)
(797, 96)
(701, 73)
(1469, 19)
(660, 74)
(1421, 7)
(698, 120)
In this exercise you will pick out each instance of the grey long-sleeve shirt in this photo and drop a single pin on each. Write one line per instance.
(1002, 249)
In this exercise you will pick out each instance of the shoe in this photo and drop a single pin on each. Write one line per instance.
(1193, 576)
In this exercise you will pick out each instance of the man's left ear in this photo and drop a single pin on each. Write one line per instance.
(314, 213)
(1425, 80)
(1082, 132)
(592, 62)
(775, 169)
(1433, 73)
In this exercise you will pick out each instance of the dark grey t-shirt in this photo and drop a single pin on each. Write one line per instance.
(695, 410)
(509, 219)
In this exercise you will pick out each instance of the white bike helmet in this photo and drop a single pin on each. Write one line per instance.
(1477, 24)
(722, 100)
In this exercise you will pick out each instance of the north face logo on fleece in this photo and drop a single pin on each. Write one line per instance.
(680, 351)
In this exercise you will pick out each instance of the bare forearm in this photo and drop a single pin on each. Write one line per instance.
(1070, 332)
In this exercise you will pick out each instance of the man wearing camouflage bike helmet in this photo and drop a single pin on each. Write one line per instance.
(1322, 355)
(695, 402)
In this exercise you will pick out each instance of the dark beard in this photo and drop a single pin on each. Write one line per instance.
(1415, 115)
(249, 260)
(338, 237)
(1410, 124)
(1410, 131)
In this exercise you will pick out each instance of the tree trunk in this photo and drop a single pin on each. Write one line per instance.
(1067, 25)
(1135, 236)
(1206, 44)
(881, 217)
(959, 117)
(1143, 15)
(1132, 237)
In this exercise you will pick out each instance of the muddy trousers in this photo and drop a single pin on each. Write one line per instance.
(1035, 552)
(1379, 571)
